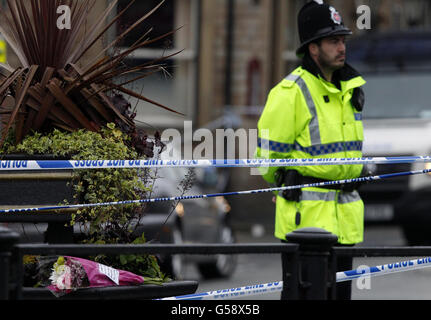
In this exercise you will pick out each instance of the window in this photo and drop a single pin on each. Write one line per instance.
(175, 88)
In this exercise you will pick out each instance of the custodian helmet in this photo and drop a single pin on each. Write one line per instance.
(316, 21)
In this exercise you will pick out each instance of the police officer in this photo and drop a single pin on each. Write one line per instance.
(316, 112)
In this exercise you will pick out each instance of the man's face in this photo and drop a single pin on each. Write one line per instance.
(331, 54)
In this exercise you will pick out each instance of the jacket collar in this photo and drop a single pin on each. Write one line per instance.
(344, 74)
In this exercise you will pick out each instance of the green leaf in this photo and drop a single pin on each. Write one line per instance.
(123, 259)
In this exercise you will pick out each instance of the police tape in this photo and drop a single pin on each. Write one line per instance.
(216, 195)
(361, 272)
(367, 272)
(235, 293)
(26, 165)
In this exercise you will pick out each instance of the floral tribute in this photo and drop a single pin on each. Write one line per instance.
(70, 274)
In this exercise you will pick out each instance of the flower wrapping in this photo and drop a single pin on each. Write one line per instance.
(71, 273)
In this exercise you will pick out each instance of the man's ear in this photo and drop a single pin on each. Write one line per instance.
(313, 49)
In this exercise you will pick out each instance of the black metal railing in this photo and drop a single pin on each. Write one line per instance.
(13, 253)
(308, 269)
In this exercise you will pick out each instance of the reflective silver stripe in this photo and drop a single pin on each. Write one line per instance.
(314, 123)
(343, 197)
(348, 197)
(318, 196)
(293, 77)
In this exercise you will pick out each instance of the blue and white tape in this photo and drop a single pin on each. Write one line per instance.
(215, 195)
(235, 293)
(382, 270)
(26, 165)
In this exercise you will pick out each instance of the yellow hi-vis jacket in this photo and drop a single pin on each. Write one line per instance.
(3, 50)
(308, 117)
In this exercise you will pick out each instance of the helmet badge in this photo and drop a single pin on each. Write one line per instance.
(335, 16)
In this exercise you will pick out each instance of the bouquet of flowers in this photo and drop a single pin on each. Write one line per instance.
(67, 274)
(71, 273)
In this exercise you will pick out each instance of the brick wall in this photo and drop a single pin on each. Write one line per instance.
(251, 41)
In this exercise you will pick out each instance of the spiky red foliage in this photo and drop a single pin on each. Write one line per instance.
(49, 89)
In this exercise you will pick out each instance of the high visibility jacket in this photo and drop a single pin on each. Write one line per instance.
(3, 49)
(308, 117)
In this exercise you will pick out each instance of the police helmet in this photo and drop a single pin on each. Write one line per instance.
(316, 21)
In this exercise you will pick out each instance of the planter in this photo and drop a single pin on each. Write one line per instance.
(49, 188)
(35, 189)
(144, 292)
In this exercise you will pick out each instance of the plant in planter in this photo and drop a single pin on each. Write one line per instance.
(112, 224)
(50, 89)
(56, 102)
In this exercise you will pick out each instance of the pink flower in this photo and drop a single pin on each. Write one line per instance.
(69, 274)
(62, 278)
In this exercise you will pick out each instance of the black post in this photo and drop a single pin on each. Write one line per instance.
(290, 270)
(8, 239)
(315, 247)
